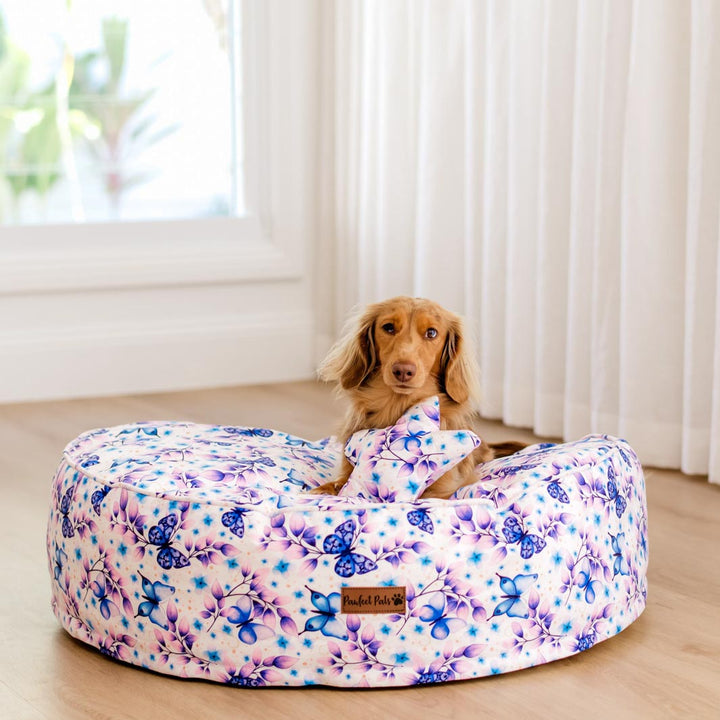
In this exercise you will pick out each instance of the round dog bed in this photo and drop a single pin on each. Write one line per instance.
(195, 551)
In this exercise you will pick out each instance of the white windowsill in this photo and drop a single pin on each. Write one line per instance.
(119, 255)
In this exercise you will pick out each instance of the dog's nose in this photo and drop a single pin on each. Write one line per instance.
(403, 371)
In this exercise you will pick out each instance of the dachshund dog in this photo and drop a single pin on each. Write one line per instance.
(397, 353)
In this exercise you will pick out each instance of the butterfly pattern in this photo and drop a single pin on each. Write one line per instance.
(67, 527)
(250, 432)
(59, 565)
(621, 566)
(154, 593)
(514, 532)
(105, 603)
(161, 536)
(97, 497)
(615, 497)
(556, 491)
(325, 615)
(233, 520)
(197, 552)
(513, 589)
(340, 543)
(421, 519)
(589, 586)
(242, 614)
(436, 615)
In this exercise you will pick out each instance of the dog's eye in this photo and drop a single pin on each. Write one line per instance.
(389, 328)
(431, 333)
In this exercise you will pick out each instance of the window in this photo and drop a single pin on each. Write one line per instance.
(102, 306)
(119, 110)
(245, 226)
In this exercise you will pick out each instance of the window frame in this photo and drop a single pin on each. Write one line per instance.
(80, 256)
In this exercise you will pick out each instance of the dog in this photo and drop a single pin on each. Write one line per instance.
(395, 354)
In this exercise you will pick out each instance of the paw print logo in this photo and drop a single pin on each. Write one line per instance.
(398, 599)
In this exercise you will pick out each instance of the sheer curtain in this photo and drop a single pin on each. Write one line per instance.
(550, 170)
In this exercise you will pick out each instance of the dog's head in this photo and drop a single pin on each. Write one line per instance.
(410, 345)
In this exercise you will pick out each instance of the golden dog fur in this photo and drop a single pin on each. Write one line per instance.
(395, 354)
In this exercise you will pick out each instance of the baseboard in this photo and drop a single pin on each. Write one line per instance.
(153, 357)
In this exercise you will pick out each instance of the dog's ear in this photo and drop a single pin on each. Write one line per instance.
(458, 369)
(353, 358)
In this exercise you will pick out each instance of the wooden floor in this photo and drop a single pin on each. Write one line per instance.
(667, 664)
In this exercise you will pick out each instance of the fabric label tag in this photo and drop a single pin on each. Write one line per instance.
(373, 600)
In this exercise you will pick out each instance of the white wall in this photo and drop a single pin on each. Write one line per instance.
(94, 310)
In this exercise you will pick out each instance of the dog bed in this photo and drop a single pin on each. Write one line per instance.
(196, 551)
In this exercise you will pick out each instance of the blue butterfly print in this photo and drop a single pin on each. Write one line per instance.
(97, 497)
(434, 613)
(556, 492)
(67, 527)
(514, 532)
(299, 482)
(412, 440)
(421, 520)
(625, 457)
(317, 460)
(241, 615)
(340, 543)
(510, 470)
(149, 430)
(590, 586)
(251, 432)
(60, 560)
(326, 609)
(428, 677)
(161, 535)
(90, 460)
(614, 495)
(512, 605)
(620, 564)
(299, 442)
(611, 472)
(99, 590)
(154, 593)
(233, 520)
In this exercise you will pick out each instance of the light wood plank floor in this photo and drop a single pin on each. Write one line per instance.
(667, 664)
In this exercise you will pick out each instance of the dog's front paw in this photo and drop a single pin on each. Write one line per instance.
(328, 488)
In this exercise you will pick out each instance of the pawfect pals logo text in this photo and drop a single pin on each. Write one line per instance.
(372, 600)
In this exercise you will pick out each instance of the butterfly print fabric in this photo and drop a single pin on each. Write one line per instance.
(195, 551)
(402, 461)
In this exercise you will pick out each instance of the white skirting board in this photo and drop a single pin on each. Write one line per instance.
(148, 356)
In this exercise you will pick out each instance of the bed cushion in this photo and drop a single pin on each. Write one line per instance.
(193, 550)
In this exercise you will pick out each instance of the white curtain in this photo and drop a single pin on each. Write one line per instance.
(550, 170)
